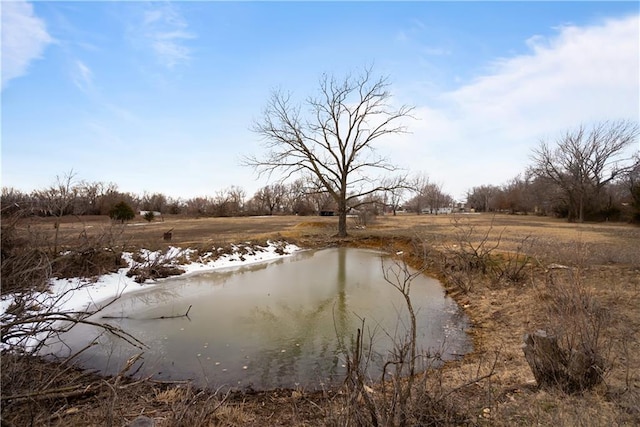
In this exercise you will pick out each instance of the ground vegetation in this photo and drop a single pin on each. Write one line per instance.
(513, 275)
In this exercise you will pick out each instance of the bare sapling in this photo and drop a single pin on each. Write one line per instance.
(399, 275)
(356, 382)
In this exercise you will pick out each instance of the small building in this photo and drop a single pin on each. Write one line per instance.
(439, 211)
(156, 214)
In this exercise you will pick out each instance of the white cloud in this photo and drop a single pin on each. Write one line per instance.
(483, 132)
(24, 38)
(166, 31)
(583, 74)
(83, 77)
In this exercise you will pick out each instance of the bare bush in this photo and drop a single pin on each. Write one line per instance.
(24, 264)
(476, 254)
(511, 266)
(571, 352)
(154, 265)
(410, 390)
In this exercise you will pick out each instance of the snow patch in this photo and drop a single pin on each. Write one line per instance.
(86, 295)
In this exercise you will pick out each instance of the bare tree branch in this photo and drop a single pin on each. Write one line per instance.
(334, 142)
(584, 161)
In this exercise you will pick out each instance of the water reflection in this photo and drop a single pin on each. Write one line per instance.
(277, 324)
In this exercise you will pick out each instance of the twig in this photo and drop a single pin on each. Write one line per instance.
(475, 380)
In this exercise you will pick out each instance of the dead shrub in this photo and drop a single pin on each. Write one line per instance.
(475, 255)
(24, 265)
(470, 256)
(87, 262)
(155, 265)
(512, 266)
(410, 390)
(571, 351)
(28, 262)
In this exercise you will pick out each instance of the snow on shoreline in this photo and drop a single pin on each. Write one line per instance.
(80, 295)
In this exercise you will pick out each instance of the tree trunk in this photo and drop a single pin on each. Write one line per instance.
(342, 222)
(554, 367)
(581, 209)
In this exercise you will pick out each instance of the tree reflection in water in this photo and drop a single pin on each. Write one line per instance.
(274, 325)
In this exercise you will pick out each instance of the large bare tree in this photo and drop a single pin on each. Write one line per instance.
(585, 160)
(333, 139)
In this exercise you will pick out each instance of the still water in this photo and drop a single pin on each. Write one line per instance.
(285, 323)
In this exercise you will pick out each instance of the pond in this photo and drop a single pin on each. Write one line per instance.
(285, 323)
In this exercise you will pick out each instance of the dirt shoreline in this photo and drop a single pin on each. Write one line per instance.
(605, 257)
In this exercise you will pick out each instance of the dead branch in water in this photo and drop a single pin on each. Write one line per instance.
(175, 316)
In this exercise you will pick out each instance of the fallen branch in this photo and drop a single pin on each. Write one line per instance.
(175, 316)
(48, 319)
(475, 380)
(58, 393)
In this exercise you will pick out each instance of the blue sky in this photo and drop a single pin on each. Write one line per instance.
(161, 96)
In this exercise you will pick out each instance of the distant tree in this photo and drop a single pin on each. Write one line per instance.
(228, 202)
(174, 206)
(198, 206)
(396, 186)
(584, 160)
(89, 194)
(122, 212)
(516, 196)
(483, 198)
(153, 202)
(297, 198)
(633, 183)
(335, 142)
(149, 216)
(59, 200)
(14, 201)
(418, 184)
(236, 199)
(270, 198)
(436, 198)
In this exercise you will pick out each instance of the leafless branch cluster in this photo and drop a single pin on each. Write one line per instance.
(334, 141)
(477, 253)
(154, 266)
(571, 352)
(409, 392)
(584, 160)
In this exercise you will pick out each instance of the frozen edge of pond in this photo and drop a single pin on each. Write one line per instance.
(85, 295)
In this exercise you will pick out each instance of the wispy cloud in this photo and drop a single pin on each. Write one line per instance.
(414, 33)
(578, 76)
(24, 38)
(83, 77)
(166, 32)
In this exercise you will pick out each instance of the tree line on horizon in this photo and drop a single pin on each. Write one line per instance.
(528, 193)
(324, 146)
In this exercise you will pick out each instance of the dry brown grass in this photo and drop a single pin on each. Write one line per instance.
(607, 257)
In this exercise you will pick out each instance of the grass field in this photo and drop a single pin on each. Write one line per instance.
(537, 273)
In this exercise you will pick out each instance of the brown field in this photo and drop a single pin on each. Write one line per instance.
(604, 261)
